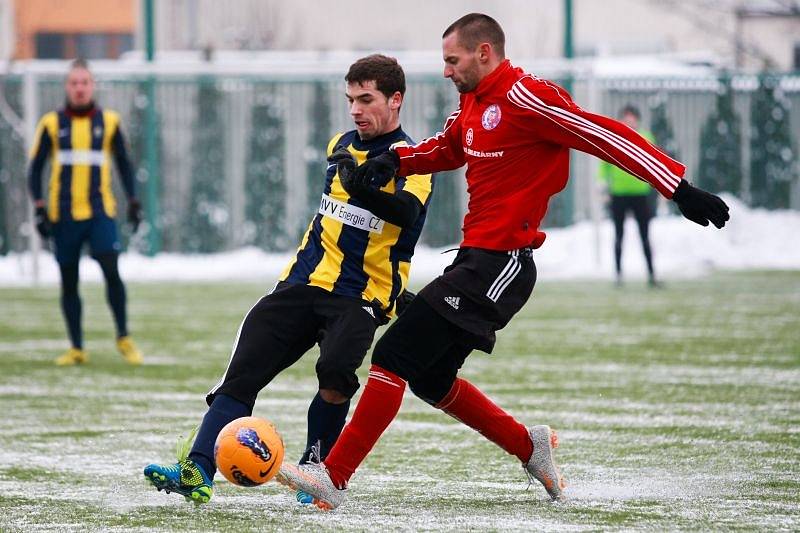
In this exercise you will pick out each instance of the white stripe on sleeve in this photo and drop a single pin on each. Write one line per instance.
(522, 97)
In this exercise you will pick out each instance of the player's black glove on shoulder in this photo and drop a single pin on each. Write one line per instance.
(404, 300)
(379, 170)
(134, 214)
(345, 167)
(43, 225)
(700, 206)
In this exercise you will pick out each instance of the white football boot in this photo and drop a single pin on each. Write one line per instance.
(542, 465)
(313, 479)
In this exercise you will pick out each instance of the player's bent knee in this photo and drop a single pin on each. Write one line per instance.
(339, 383)
(429, 391)
(333, 396)
(385, 357)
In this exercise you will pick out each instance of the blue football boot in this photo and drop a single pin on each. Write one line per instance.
(184, 477)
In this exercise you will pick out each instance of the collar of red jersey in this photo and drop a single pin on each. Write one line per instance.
(486, 85)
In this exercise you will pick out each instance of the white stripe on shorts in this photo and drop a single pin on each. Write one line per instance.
(505, 278)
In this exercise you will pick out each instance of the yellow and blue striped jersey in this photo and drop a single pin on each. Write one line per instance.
(79, 146)
(349, 251)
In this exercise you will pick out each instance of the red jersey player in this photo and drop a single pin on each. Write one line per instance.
(514, 132)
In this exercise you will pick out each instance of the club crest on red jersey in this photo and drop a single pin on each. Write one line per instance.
(491, 117)
(470, 136)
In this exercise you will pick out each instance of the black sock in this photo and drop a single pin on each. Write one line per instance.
(71, 303)
(325, 423)
(223, 409)
(115, 291)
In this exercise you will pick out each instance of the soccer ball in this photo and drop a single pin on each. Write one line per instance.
(249, 451)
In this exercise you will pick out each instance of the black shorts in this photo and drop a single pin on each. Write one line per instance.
(70, 235)
(640, 205)
(284, 325)
(454, 314)
(481, 290)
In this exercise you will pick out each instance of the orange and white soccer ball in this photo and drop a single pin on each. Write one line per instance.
(249, 451)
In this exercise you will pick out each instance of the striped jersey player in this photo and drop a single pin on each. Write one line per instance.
(347, 278)
(79, 142)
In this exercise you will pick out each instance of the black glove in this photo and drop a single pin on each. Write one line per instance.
(43, 225)
(134, 214)
(379, 170)
(700, 206)
(345, 165)
(404, 300)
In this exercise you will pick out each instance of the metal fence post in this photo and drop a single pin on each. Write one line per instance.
(595, 196)
(151, 139)
(30, 106)
(567, 196)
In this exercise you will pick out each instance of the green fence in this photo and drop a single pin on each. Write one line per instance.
(240, 159)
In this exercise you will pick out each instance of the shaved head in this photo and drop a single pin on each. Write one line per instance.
(477, 28)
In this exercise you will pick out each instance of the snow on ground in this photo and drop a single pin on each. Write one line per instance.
(753, 239)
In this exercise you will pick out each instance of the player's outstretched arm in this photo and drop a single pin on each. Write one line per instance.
(700, 206)
(435, 154)
(550, 115)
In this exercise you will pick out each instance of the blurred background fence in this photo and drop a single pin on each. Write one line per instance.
(239, 158)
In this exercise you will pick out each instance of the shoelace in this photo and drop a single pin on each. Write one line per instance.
(531, 479)
(183, 446)
(316, 453)
(313, 457)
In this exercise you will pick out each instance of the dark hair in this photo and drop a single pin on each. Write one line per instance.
(630, 109)
(477, 28)
(385, 71)
(79, 63)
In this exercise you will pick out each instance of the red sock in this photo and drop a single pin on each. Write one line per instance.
(376, 409)
(469, 405)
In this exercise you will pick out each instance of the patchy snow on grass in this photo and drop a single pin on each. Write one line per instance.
(675, 410)
(752, 239)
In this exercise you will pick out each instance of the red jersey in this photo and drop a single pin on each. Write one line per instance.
(514, 132)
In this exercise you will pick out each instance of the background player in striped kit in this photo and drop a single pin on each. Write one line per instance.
(346, 279)
(514, 132)
(79, 141)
